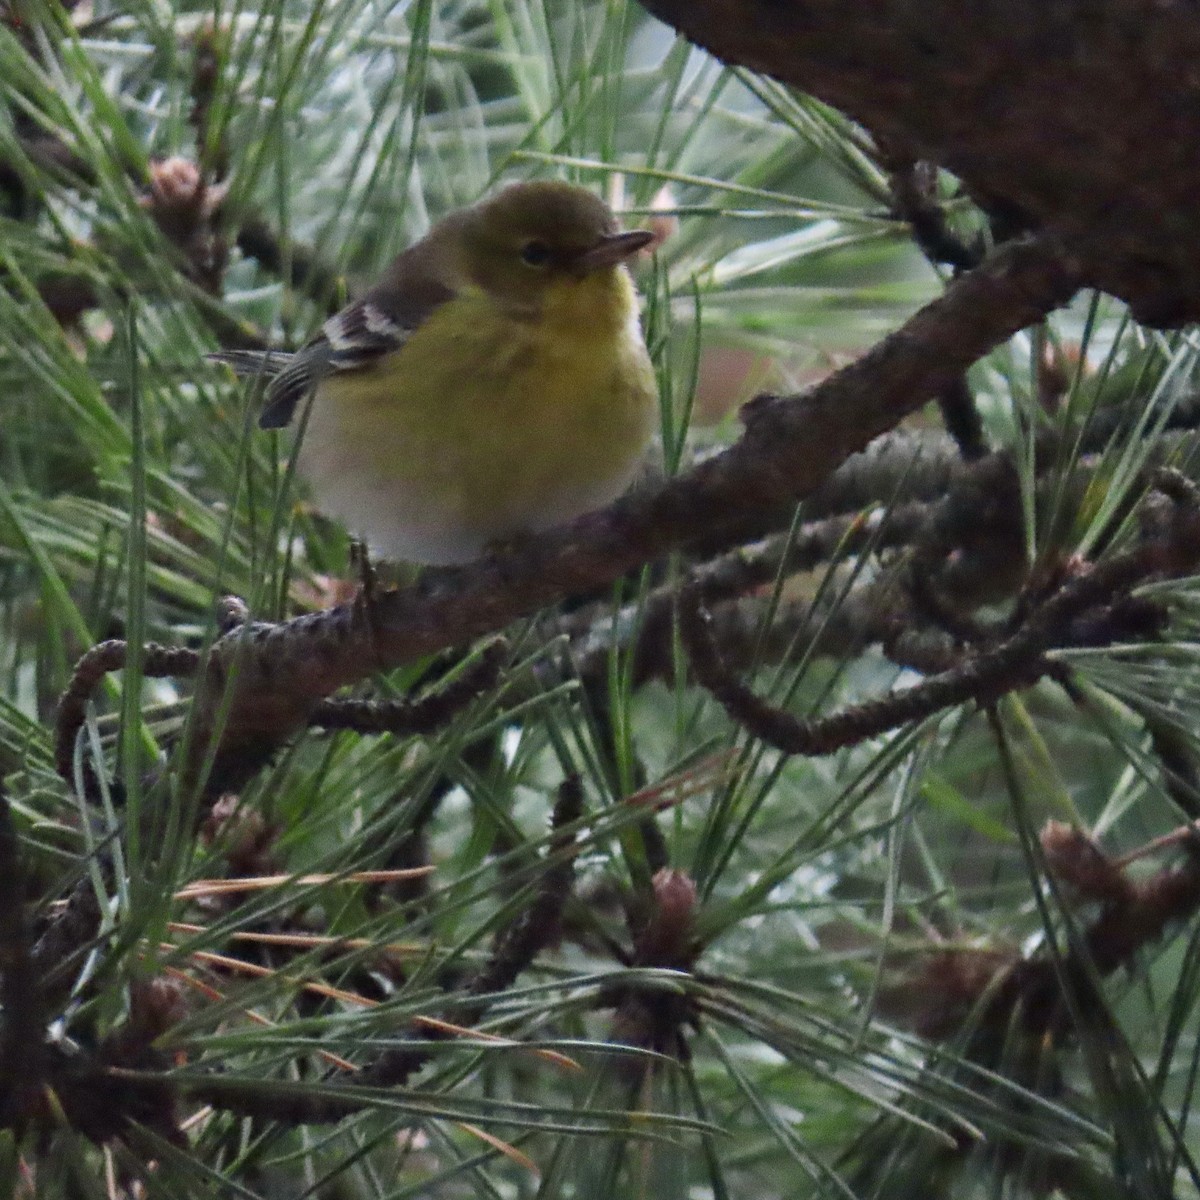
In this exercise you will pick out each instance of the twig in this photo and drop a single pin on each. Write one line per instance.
(514, 950)
(1177, 764)
(1017, 662)
(23, 1028)
(913, 186)
(127, 1080)
(790, 446)
(429, 713)
(56, 952)
(299, 266)
(211, 47)
(914, 199)
(157, 661)
(654, 1017)
(540, 924)
(961, 417)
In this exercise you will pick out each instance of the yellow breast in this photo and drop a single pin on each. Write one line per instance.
(486, 425)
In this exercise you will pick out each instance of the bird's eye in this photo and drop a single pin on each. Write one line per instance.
(535, 254)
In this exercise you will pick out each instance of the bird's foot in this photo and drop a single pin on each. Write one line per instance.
(360, 562)
(510, 543)
(365, 603)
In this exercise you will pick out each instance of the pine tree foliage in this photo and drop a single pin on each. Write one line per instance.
(862, 864)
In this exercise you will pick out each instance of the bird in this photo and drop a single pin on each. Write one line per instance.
(494, 383)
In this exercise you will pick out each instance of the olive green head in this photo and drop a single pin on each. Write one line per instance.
(530, 238)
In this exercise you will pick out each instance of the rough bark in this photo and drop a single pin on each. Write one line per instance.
(1076, 117)
(790, 447)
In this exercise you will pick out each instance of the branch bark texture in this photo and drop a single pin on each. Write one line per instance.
(1076, 117)
(277, 674)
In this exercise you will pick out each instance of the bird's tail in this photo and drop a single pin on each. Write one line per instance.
(288, 377)
(267, 363)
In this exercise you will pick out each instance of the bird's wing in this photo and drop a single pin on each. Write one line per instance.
(360, 334)
(351, 339)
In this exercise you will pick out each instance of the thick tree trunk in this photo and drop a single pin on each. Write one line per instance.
(1080, 117)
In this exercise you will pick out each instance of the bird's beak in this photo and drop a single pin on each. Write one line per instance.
(611, 249)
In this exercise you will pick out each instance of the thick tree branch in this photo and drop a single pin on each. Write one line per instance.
(262, 682)
(790, 447)
(1077, 118)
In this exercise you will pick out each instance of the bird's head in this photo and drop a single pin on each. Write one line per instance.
(530, 239)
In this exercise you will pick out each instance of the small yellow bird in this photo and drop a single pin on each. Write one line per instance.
(492, 384)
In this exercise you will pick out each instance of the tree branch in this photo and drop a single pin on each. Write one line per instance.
(789, 448)
(1074, 118)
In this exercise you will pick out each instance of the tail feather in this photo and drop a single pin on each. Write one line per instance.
(267, 363)
(288, 377)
